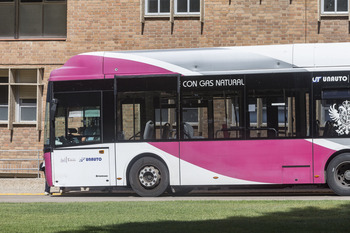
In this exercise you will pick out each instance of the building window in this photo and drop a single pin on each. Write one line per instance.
(334, 6)
(3, 103)
(187, 6)
(27, 110)
(33, 18)
(157, 7)
(162, 7)
(21, 92)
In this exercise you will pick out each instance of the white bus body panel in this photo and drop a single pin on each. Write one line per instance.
(84, 166)
(194, 175)
(126, 152)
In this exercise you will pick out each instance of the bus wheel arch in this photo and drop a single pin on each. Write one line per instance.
(148, 175)
(338, 173)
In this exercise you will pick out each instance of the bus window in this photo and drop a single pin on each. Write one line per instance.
(147, 116)
(212, 115)
(78, 119)
(278, 113)
(267, 113)
(227, 115)
(195, 117)
(146, 108)
(332, 114)
(165, 116)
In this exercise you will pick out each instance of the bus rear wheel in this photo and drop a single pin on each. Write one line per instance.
(338, 174)
(149, 177)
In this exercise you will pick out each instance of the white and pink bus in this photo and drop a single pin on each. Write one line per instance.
(171, 119)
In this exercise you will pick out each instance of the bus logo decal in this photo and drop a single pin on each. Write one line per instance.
(341, 117)
(327, 79)
(90, 159)
(316, 79)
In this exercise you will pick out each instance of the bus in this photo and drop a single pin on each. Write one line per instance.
(166, 120)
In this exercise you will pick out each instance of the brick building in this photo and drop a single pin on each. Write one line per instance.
(37, 36)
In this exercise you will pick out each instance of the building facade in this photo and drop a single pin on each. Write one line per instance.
(37, 36)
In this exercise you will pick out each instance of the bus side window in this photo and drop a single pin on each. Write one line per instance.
(280, 113)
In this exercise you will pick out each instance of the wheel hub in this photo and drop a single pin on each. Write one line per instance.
(347, 174)
(149, 176)
(343, 174)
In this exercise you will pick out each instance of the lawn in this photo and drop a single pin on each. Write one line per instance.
(177, 216)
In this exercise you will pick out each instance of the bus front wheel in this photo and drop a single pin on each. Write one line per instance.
(338, 174)
(149, 177)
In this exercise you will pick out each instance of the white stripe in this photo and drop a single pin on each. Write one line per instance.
(328, 144)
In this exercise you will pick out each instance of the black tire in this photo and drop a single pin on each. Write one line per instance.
(338, 175)
(149, 177)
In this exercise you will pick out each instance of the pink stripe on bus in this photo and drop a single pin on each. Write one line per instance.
(266, 161)
(48, 168)
(127, 67)
(321, 156)
(80, 67)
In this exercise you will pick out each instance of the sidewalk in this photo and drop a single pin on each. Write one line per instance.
(22, 186)
(36, 186)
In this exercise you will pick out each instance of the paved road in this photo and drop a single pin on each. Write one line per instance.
(223, 195)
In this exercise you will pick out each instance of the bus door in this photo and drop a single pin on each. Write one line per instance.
(79, 158)
(331, 104)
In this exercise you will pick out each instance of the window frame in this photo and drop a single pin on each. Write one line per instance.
(335, 12)
(82, 108)
(188, 8)
(14, 85)
(22, 105)
(158, 10)
(17, 4)
(172, 12)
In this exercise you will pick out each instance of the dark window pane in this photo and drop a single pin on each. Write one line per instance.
(6, 0)
(55, 16)
(194, 5)
(152, 6)
(7, 19)
(182, 6)
(4, 80)
(164, 6)
(30, 20)
(329, 6)
(55, 0)
(28, 101)
(3, 95)
(31, 0)
(342, 5)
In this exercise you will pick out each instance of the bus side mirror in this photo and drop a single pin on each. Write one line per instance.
(53, 108)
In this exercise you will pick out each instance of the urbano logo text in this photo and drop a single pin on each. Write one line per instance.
(90, 159)
(325, 79)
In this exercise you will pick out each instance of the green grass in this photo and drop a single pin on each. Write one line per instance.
(177, 216)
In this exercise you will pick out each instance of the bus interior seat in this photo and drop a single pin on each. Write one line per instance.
(189, 132)
(327, 129)
(149, 130)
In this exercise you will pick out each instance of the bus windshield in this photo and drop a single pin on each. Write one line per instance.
(78, 118)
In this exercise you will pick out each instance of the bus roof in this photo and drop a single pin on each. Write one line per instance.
(206, 61)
